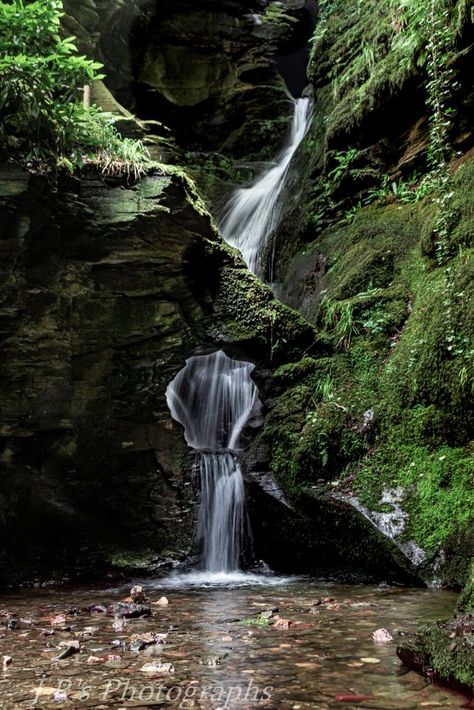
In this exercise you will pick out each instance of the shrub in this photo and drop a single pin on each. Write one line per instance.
(42, 119)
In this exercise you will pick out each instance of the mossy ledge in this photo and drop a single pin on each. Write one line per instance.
(443, 653)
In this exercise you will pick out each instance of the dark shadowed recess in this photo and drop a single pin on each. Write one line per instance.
(212, 67)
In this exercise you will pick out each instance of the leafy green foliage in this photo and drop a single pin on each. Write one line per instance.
(411, 190)
(42, 119)
(276, 14)
(370, 50)
(340, 317)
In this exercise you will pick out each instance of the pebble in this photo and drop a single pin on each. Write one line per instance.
(162, 601)
(382, 636)
(161, 668)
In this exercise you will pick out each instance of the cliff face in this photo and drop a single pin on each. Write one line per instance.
(218, 73)
(98, 310)
(381, 263)
(108, 287)
(105, 290)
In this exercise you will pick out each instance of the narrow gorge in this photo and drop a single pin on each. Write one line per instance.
(237, 330)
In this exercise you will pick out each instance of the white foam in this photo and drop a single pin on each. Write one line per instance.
(220, 579)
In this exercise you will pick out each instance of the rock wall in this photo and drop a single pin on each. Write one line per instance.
(386, 411)
(106, 288)
(213, 71)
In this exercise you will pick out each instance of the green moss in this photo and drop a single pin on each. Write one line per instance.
(366, 52)
(431, 364)
(261, 621)
(446, 647)
(462, 236)
(283, 426)
(438, 483)
(250, 311)
(295, 371)
(409, 359)
(275, 14)
(466, 600)
(131, 560)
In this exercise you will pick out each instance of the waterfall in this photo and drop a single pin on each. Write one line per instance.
(253, 213)
(214, 397)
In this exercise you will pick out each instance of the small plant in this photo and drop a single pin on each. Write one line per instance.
(275, 13)
(339, 317)
(344, 161)
(324, 390)
(407, 191)
(376, 322)
(261, 621)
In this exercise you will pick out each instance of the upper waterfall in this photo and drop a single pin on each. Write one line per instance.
(253, 213)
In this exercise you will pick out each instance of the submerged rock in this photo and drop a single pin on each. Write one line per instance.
(137, 595)
(213, 660)
(128, 611)
(67, 649)
(155, 668)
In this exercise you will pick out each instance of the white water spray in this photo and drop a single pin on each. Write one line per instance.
(214, 397)
(253, 213)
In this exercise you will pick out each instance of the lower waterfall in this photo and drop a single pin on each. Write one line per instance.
(214, 398)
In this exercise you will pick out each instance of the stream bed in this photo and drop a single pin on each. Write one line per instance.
(213, 648)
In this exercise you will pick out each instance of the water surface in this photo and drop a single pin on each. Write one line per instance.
(325, 652)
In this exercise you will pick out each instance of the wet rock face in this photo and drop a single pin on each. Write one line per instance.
(213, 71)
(321, 536)
(106, 289)
(98, 311)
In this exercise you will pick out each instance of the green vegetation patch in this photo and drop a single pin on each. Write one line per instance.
(368, 50)
(43, 119)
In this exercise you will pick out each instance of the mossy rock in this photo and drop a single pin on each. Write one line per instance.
(466, 600)
(248, 311)
(444, 652)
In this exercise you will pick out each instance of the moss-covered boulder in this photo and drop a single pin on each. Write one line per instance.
(443, 652)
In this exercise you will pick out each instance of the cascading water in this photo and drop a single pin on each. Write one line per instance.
(214, 398)
(253, 213)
